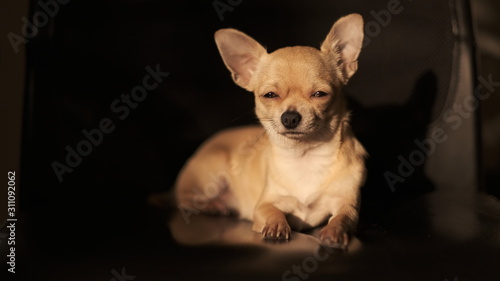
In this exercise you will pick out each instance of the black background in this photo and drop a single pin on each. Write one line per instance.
(94, 51)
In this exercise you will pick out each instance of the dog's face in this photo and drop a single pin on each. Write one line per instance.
(295, 92)
(297, 89)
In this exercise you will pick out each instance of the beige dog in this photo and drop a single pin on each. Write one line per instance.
(303, 166)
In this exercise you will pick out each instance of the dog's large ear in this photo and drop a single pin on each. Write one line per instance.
(343, 44)
(241, 55)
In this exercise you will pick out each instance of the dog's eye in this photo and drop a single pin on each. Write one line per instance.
(319, 94)
(270, 95)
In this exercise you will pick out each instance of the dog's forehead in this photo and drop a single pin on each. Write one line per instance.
(298, 61)
(297, 55)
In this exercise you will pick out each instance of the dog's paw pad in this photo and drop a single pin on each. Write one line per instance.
(334, 237)
(278, 230)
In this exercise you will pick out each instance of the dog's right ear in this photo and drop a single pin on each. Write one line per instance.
(241, 55)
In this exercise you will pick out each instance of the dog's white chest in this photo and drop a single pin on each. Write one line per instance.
(300, 181)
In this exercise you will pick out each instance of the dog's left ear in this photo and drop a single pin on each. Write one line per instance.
(343, 44)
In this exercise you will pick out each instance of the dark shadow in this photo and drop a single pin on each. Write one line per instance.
(389, 134)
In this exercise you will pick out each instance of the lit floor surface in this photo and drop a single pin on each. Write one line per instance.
(453, 241)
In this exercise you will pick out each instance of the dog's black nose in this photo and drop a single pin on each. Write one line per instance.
(291, 119)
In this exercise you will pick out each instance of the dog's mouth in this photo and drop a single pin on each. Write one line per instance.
(293, 134)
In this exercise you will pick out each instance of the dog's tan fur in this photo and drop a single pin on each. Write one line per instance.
(277, 176)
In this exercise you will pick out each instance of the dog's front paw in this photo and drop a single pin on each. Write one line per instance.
(334, 237)
(277, 230)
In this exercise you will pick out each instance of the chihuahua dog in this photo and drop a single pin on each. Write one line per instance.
(302, 167)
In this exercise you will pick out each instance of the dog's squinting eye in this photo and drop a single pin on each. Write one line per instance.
(319, 94)
(270, 95)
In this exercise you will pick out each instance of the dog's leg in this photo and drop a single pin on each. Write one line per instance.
(336, 233)
(203, 186)
(271, 222)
